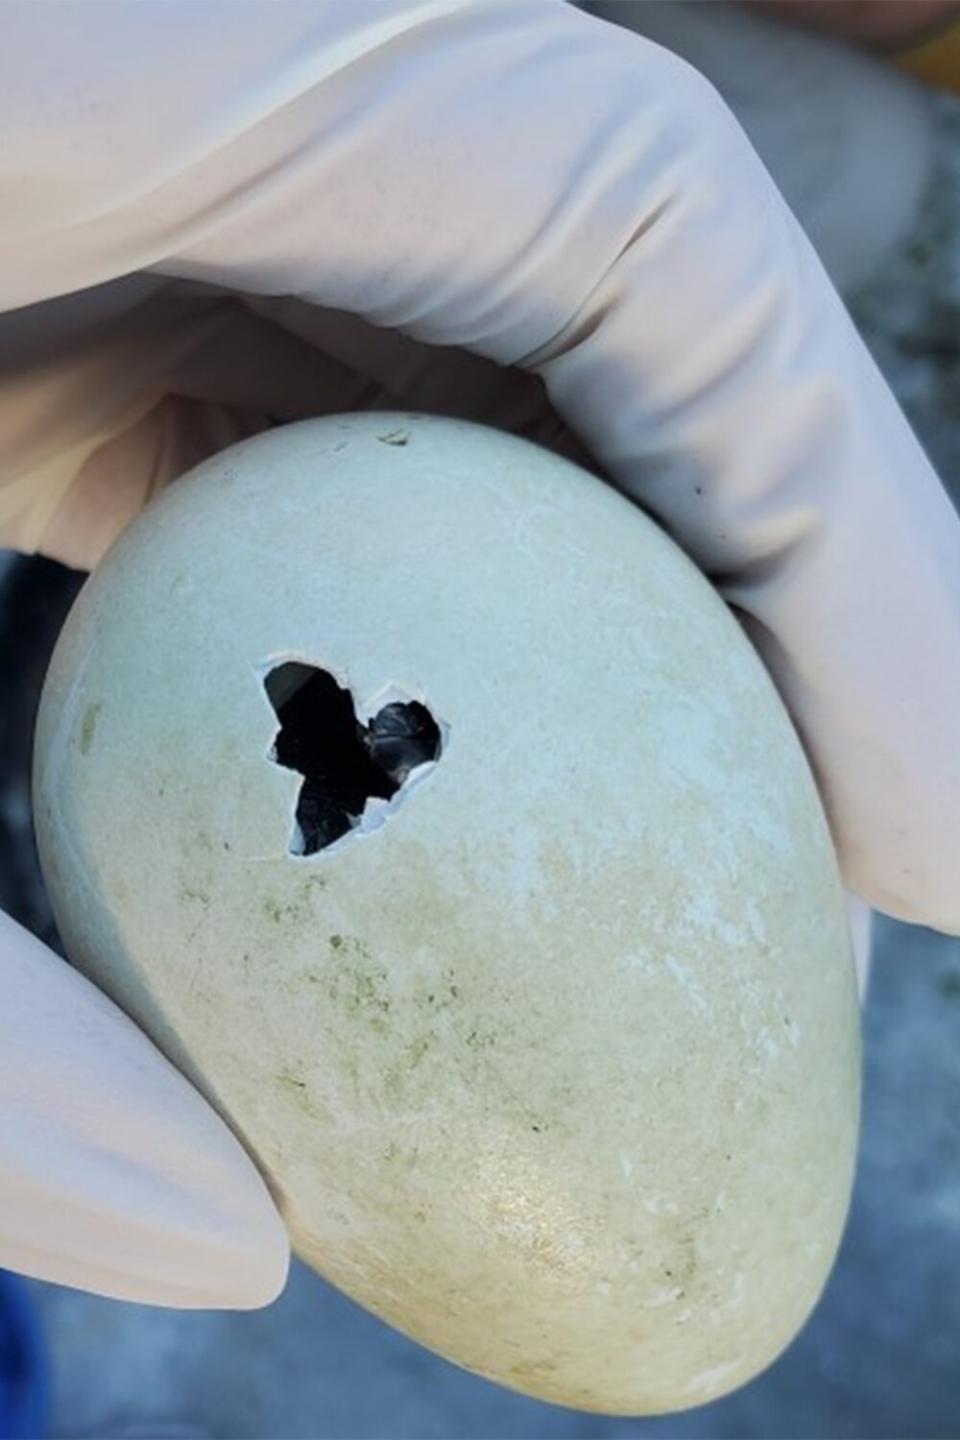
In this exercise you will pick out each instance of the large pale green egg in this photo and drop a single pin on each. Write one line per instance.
(549, 1050)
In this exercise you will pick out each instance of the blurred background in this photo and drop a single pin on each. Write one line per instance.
(881, 1355)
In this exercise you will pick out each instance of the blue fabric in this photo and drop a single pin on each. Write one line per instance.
(24, 1381)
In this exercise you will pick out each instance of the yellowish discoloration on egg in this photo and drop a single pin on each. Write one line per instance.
(557, 1070)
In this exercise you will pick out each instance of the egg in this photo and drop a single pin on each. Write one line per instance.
(428, 808)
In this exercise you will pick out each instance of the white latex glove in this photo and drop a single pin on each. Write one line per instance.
(510, 211)
(116, 1176)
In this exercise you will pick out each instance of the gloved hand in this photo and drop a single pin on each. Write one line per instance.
(509, 211)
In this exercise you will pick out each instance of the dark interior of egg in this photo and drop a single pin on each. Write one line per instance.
(344, 762)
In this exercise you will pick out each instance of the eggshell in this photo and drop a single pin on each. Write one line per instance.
(555, 1067)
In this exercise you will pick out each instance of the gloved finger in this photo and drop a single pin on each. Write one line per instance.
(128, 364)
(226, 369)
(99, 410)
(555, 193)
(848, 141)
(115, 1175)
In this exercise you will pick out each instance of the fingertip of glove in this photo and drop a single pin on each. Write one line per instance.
(262, 1266)
(241, 1249)
(925, 900)
(908, 870)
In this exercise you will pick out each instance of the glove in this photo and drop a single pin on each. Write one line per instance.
(221, 218)
(116, 1176)
(849, 142)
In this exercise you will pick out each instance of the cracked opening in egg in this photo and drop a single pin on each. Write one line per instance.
(344, 762)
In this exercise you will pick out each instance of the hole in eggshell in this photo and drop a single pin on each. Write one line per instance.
(344, 763)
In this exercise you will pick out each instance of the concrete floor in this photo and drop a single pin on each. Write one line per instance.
(881, 1356)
